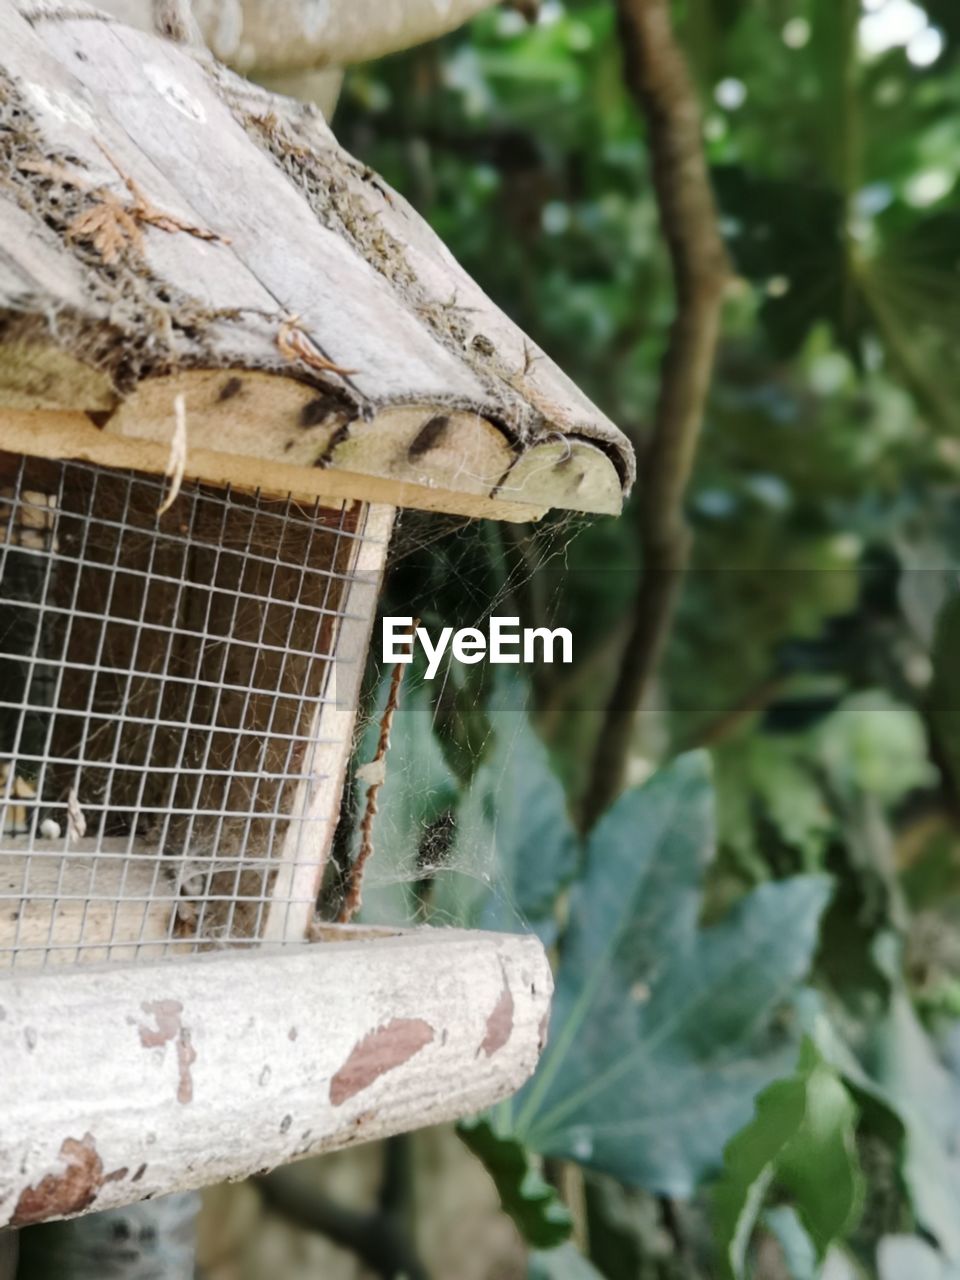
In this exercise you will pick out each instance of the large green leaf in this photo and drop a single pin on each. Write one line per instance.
(802, 1141)
(535, 1206)
(663, 1033)
(516, 847)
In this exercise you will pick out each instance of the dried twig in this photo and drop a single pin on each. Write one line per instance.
(658, 77)
(177, 460)
(374, 774)
(296, 344)
(76, 818)
(112, 226)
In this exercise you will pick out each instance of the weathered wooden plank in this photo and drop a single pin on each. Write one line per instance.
(73, 435)
(260, 414)
(115, 124)
(564, 473)
(234, 1063)
(307, 845)
(70, 906)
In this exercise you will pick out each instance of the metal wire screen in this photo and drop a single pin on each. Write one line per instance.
(169, 727)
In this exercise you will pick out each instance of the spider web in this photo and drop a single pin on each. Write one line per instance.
(438, 847)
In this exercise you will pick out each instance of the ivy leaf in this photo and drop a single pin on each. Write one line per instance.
(801, 1140)
(539, 1214)
(663, 1033)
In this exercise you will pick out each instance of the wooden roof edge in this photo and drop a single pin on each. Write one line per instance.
(169, 228)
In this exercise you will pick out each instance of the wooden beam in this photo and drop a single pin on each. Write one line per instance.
(316, 806)
(179, 1074)
(74, 435)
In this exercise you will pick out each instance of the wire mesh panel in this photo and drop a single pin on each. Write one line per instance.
(168, 708)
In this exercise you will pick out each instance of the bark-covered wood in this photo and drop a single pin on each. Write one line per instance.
(167, 227)
(657, 76)
(135, 1082)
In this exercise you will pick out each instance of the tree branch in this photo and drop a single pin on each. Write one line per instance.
(657, 76)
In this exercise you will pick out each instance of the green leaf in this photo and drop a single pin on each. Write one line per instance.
(915, 1100)
(540, 1215)
(662, 1033)
(801, 1140)
(873, 744)
(771, 773)
(514, 836)
(565, 1263)
(927, 1099)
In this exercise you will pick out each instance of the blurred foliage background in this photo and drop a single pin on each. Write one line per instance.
(754, 1064)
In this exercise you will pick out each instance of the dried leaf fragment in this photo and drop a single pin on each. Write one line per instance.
(177, 459)
(109, 226)
(296, 344)
(76, 818)
(53, 169)
(112, 226)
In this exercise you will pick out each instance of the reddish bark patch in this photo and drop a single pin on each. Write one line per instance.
(499, 1023)
(387, 1047)
(60, 1194)
(166, 1014)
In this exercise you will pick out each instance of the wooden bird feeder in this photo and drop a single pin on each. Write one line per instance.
(228, 353)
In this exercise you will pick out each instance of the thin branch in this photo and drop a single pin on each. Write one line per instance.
(750, 703)
(374, 774)
(657, 75)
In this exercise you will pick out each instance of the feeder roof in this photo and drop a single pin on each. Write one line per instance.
(167, 227)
